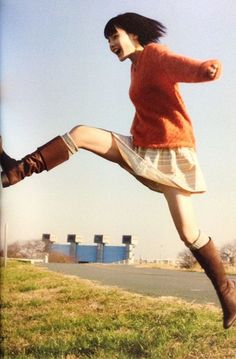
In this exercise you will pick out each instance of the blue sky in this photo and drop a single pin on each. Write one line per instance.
(57, 72)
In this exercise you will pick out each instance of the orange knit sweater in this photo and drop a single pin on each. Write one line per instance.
(161, 119)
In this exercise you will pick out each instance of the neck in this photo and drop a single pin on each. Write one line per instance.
(135, 55)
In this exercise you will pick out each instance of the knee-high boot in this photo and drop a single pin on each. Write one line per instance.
(45, 157)
(209, 259)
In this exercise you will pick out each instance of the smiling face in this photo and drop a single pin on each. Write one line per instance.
(124, 45)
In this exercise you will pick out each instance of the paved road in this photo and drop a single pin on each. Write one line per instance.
(154, 282)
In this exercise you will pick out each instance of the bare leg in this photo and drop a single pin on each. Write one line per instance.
(203, 249)
(57, 151)
(181, 209)
(98, 141)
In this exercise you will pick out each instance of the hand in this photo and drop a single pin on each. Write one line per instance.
(212, 70)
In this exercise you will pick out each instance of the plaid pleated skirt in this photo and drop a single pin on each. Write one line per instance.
(154, 167)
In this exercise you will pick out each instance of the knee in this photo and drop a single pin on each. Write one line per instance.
(76, 129)
(195, 240)
(78, 134)
(188, 235)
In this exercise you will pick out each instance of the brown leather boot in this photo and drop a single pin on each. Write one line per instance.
(46, 157)
(209, 258)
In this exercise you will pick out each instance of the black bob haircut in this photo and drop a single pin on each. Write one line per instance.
(147, 30)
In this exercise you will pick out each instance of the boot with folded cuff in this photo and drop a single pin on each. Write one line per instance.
(45, 157)
(209, 259)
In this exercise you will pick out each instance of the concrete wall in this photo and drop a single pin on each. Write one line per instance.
(99, 252)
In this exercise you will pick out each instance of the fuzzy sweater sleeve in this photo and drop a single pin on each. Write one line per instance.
(184, 69)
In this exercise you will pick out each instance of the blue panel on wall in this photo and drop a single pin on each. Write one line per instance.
(61, 248)
(86, 253)
(114, 254)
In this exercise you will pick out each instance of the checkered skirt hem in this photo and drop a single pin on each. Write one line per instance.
(154, 167)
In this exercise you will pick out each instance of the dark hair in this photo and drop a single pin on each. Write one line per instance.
(147, 30)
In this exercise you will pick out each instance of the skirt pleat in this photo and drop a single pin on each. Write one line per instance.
(154, 167)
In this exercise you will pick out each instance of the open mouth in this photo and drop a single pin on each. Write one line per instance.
(117, 52)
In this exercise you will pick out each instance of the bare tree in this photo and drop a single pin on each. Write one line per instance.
(228, 253)
(13, 250)
(186, 259)
(29, 249)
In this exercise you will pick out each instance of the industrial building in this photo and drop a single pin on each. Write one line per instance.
(99, 252)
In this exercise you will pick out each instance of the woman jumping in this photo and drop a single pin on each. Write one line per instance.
(160, 152)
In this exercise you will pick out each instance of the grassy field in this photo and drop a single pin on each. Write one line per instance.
(48, 315)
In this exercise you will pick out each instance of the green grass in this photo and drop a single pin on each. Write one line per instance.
(48, 315)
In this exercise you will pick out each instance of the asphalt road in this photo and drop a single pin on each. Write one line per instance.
(191, 286)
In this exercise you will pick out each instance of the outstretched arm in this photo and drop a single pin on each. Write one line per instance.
(184, 69)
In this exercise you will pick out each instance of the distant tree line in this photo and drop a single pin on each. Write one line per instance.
(35, 249)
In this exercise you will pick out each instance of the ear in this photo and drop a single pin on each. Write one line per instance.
(134, 37)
